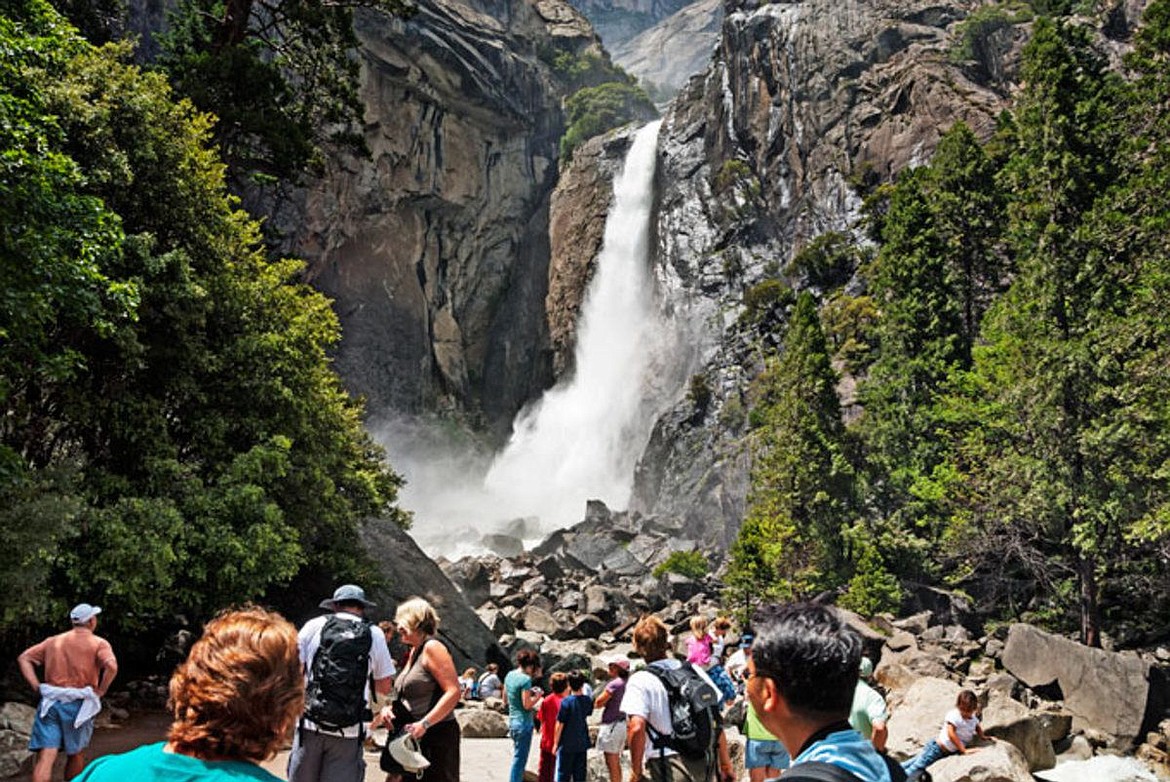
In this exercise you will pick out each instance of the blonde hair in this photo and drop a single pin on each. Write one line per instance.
(699, 625)
(415, 613)
(239, 689)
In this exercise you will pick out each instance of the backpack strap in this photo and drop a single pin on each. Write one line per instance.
(815, 771)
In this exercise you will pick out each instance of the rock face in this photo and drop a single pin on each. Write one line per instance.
(665, 56)
(410, 572)
(617, 21)
(759, 155)
(1121, 695)
(436, 249)
(577, 216)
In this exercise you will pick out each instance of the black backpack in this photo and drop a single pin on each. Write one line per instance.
(694, 712)
(335, 695)
(815, 771)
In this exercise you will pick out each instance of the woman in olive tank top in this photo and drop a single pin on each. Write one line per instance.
(428, 686)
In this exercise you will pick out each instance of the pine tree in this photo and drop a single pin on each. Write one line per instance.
(801, 483)
(939, 266)
(1039, 488)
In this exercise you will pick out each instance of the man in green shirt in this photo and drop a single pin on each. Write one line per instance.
(868, 715)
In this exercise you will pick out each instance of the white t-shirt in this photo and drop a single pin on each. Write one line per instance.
(964, 729)
(381, 664)
(646, 697)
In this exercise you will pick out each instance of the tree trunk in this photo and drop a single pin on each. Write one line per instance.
(1090, 606)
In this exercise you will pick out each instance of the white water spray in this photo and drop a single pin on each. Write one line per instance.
(582, 439)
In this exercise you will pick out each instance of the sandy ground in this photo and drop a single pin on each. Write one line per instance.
(483, 760)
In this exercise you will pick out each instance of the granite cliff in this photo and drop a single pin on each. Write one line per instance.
(435, 249)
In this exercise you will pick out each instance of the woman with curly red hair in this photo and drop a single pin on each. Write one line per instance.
(234, 699)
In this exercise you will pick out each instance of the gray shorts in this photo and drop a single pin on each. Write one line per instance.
(319, 757)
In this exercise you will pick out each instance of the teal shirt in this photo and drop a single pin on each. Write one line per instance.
(150, 764)
(515, 683)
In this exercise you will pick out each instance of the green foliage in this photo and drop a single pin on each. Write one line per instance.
(981, 24)
(827, 262)
(800, 497)
(692, 564)
(170, 421)
(1017, 422)
(577, 70)
(281, 78)
(849, 323)
(699, 393)
(766, 297)
(872, 589)
(596, 110)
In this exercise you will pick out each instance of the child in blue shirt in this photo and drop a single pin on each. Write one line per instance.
(572, 735)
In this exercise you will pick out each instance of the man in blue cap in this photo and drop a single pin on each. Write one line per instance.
(340, 654)
(78, 669)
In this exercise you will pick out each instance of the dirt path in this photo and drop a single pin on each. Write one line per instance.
(483, 760)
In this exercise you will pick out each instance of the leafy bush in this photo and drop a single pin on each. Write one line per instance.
(982, 23)
(595, 110)
(691, 564)
(826, 262)
(765, 296)
(699, 393)
(873, 589)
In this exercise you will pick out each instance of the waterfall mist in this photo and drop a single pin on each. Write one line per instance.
(582, 439)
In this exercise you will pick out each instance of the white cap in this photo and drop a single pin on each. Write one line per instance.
(83, 612)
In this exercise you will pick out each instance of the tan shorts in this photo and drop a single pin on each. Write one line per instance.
(611, 738)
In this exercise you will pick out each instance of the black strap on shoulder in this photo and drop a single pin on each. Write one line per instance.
(815, 771)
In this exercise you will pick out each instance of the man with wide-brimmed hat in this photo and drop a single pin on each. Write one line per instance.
(78, 669)
(340, 654)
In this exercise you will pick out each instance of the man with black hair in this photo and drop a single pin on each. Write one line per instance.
(800, 681)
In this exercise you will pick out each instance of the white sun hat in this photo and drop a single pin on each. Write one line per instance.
(404, 750)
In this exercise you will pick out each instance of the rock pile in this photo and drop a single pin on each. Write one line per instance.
(576, 596)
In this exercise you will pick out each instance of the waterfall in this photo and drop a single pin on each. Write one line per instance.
(583, 438)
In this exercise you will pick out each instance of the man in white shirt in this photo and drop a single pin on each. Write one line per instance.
(647, 708)
(329, 749)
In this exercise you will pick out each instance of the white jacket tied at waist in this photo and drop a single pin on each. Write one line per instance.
(89, 709)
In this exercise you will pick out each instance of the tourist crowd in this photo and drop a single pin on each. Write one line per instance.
(252, 681)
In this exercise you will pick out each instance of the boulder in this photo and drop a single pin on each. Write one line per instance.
(537, 620)
(16, 721)
(497, 621)
(995, 762)
(1014, 723)
(1121, 695)
(14, 754)
(406, 571)
(18, 717)
(504, 545)
(473, 577)
(482, 723)
(917, 713)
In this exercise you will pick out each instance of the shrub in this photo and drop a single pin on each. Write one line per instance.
(764, 296)
(699, 393)
(595, 110)
(691, 564)
(826, 262)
